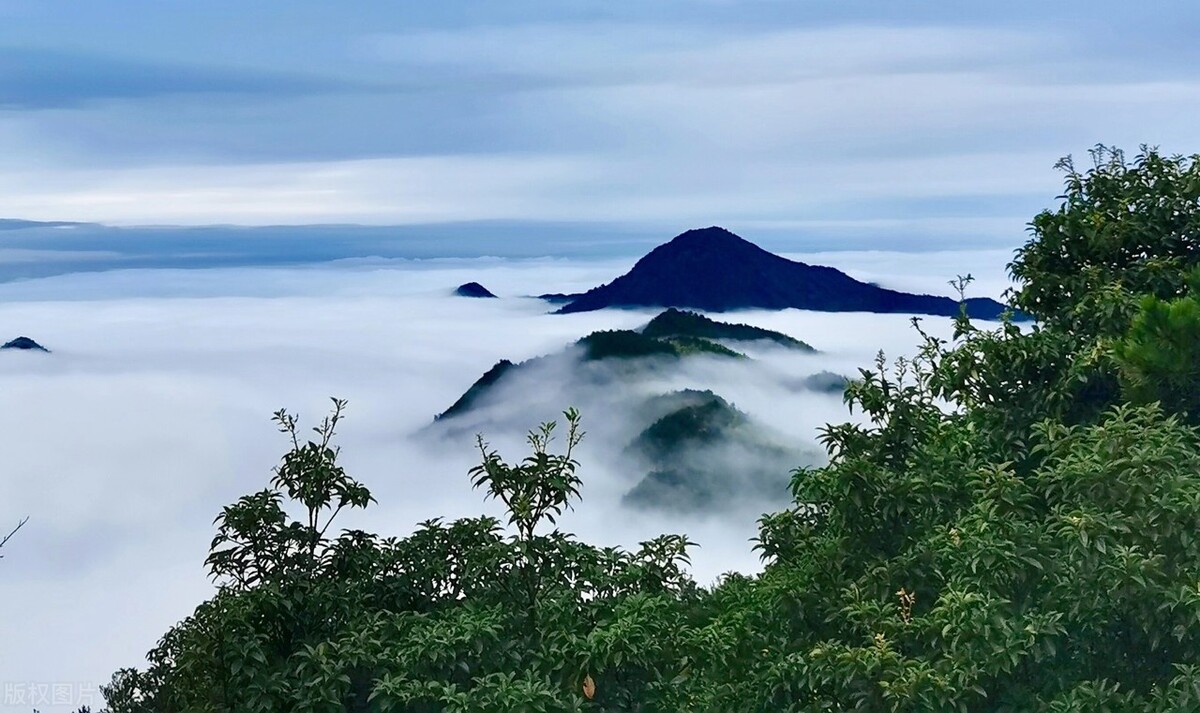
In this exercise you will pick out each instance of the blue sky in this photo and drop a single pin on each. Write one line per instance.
(815, 124)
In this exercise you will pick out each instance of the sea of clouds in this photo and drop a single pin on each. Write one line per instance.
(153, 412)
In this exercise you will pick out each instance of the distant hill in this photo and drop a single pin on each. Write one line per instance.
(678, 323)
(619, 345)
(481, 386)
(701, 417)
(673, 334)
(627, 344)
(826, 382)
(25, 344)
(473, 289)
(714, 270)
(706, 455)
(693, 451)
(557, 298)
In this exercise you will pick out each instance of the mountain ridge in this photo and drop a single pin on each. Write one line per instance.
(673, 334)
(715, 270)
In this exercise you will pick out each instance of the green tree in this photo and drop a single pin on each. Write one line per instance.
(1014, 526)
(1158, 358)
(457, 616)
(1124, 229)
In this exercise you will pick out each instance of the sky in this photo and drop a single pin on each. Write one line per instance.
(809, 125)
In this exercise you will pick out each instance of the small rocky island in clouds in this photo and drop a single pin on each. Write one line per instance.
(473, 289)
(24, 344)
(712, 269)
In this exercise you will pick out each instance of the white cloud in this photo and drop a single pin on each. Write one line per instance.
(443, 189)
(152, 413)
(400, 190)
(614, 53)
(930, 272)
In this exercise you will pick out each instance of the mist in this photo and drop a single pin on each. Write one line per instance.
(153, 412)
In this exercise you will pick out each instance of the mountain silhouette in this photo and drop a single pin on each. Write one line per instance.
(24, 344)
(473, 289)
(481, 386)
(680, 323)
(714, 270)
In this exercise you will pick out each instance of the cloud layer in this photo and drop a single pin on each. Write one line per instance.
(152, 413)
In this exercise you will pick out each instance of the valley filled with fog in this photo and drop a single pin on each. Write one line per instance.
(153, 411)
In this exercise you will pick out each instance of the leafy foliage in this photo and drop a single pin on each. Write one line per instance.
(1014, 527)
(256, 543)
(458, 616)
(1158, 359)
(1123, 229)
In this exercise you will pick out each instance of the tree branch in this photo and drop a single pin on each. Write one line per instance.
(13, 532)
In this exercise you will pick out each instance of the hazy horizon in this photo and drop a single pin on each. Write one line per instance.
(35, 250)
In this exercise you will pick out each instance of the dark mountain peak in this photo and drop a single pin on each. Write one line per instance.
(714, 270)
(713, 234)
(473, 289)
(24, 343)
(481, 386)
(713, 243)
